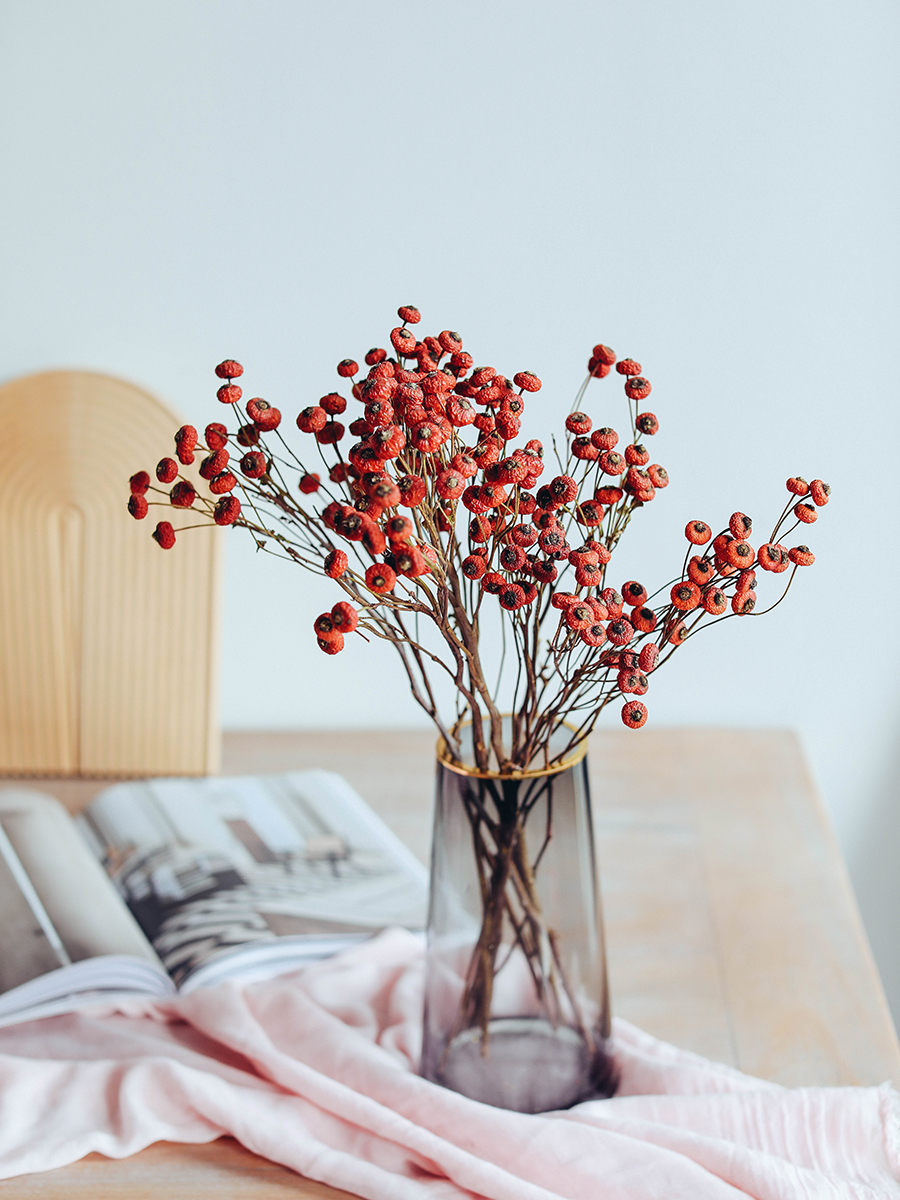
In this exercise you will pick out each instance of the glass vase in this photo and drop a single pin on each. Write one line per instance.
(516, 994)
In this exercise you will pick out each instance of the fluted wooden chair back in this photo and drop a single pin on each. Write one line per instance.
(108, 644)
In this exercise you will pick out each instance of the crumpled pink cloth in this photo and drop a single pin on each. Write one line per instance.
(315, 1070)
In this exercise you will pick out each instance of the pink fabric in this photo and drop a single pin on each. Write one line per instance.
(314, 1071)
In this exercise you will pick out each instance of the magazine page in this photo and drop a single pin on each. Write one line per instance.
(65, 936)
(252, 876)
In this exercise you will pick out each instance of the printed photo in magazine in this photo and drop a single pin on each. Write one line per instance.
(171, 884)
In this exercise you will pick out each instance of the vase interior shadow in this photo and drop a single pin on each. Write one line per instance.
(516, 995)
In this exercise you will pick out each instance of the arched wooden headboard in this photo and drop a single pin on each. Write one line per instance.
(108, 644)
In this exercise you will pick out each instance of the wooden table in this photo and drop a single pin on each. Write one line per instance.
(732, 927)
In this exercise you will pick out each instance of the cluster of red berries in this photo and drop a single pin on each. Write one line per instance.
(410, 452)
(733, 556)
(214, 468)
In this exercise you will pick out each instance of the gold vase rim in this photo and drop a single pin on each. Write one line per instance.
(571, 760)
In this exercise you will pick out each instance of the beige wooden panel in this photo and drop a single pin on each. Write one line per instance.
(731, 926)
(108, 645)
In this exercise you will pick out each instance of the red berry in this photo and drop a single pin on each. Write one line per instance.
(701, 570)
(715, 601)
(263, 415)
(413, 490)
(627, 366)
(227, 510)
(166, 470)
(332, 645)
(380, 578)
(634, 592)
(802, 556)
(330, 433)
(450, 341)
(410, 562)
(584, 449)
(608, 495)
(185, 441)
(697, 533)
(797, 485)
(677, 633)
(597, 369)
(604, 355)
(613, 600)
(746, 581)
(164, 535)
(508, 425)
(460, 413)
(647, 423)
(820, 492)
(805, 513)
(648, 657)
(449, 484)
(309, 484)
(213, 464)
(740, 525)
(229, 393)
(527, 381)
(324, 626)
(563, 489)
(630, 680)
(333, 404)
(253, 464)
(659, 476)
(409, 314)
(579, 615)
(403, 341)
(223, 482)
(427, 436)
(375, 356)
(643, 619)
(512, 558)
(229, 369)
(620, 632)
(578, 422)
(589, 513)
(636, 456)
(523, 535)
(511, 596)
(685, 596)
(743, 603)
(182, 495)
(605, 438)
(637, 388)
(634, 714)
(216, 436)
(344, 616)
(139, 482)
(562, 600)
(312, 419)
(346, 368)
(335, 564)
(739, 554)
(594, 635)
(138, 506)
(611, 463)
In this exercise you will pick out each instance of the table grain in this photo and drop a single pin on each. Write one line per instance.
(732, 929)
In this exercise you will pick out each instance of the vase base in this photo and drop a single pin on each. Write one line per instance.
(529, 1066)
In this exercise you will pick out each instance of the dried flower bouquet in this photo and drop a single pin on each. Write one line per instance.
(437, 528)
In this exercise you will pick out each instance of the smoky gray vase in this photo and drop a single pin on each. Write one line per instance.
(516, 994)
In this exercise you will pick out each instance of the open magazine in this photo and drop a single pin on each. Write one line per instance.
(167, 885)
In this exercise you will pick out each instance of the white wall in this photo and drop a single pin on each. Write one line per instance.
(709, 187)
